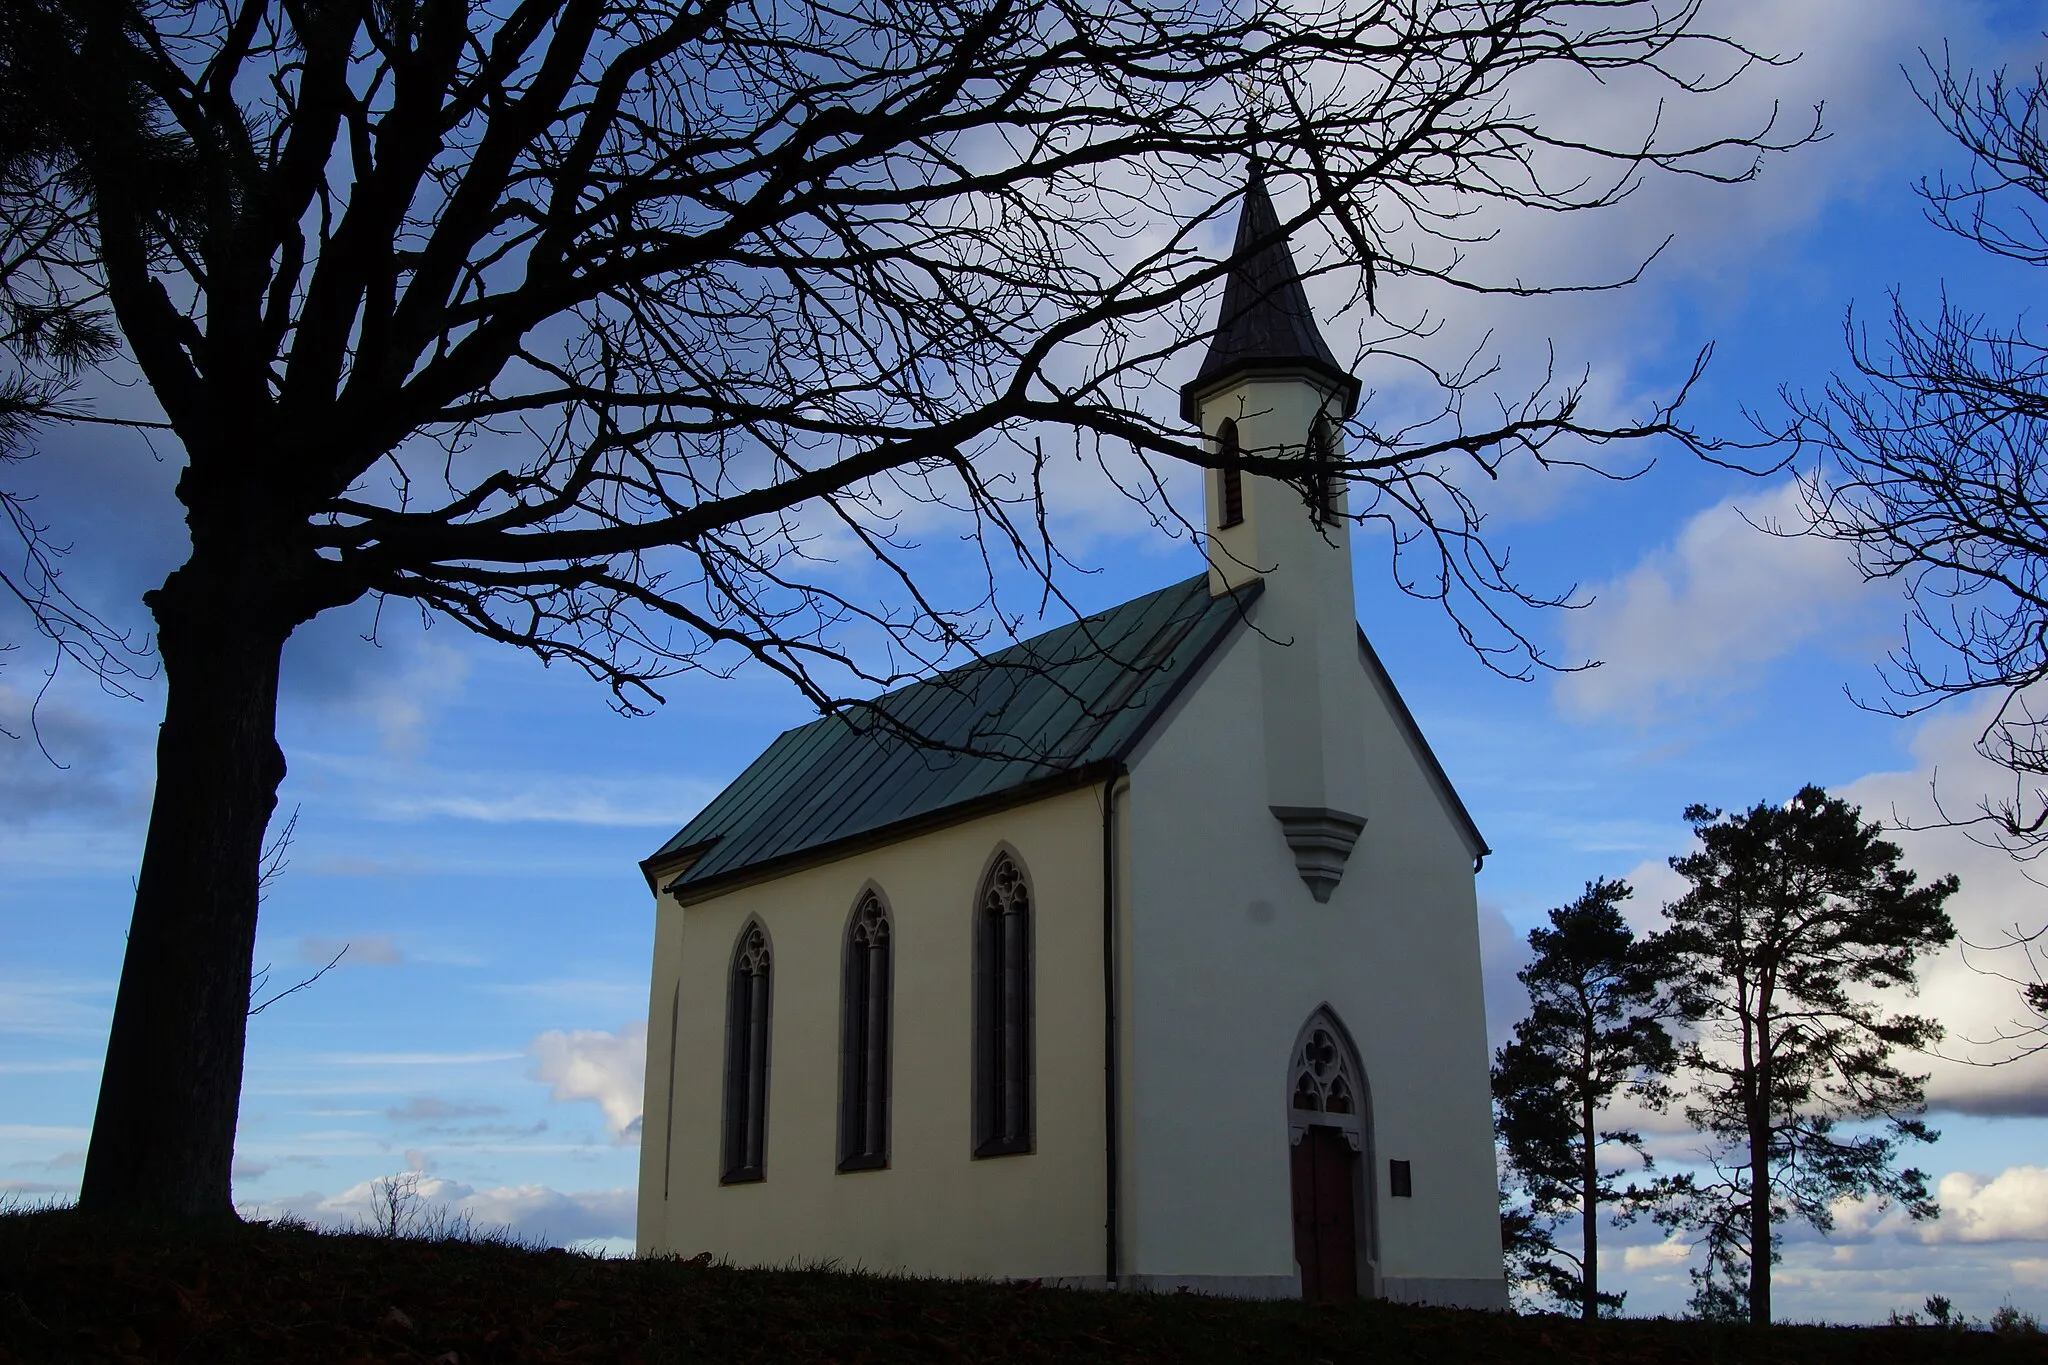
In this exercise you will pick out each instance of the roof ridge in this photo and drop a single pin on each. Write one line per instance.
(1061, 702)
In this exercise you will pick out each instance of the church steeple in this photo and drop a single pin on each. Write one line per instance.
(1270, 388)
(1266, 327)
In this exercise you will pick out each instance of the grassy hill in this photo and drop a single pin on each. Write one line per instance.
(71, 1289)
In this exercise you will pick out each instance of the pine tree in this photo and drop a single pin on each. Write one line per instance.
(1591, 1035)
(1798, 915)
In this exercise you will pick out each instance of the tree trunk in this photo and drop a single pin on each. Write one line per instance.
(163, 1138)
(1760, 1182)
(1589, 1268)
(1759, 1228)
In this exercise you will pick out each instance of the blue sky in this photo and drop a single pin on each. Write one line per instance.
(470, 822)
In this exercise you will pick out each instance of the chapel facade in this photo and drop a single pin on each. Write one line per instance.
(1166, 975)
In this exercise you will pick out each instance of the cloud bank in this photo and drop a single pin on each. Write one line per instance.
(1702, 618)
(532, 1213)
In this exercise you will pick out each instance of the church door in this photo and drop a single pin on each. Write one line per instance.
(1325, 1225)
(1329, 1129)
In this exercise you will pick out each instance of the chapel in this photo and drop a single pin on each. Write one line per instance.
(1161, 971)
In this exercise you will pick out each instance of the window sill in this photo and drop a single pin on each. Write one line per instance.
(1004, 1147)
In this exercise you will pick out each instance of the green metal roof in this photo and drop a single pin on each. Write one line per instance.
(1059, 705)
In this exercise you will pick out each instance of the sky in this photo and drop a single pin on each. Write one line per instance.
(469, 823)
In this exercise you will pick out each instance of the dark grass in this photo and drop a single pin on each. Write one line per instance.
(72, 1289)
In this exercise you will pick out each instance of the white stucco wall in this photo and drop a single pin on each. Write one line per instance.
(1227, 953)
(936, 1209)
(1311, 724)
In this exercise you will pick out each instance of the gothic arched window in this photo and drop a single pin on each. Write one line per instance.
(1229, 478)
(1002, 1011)
(746, 1057)
(864, 1038)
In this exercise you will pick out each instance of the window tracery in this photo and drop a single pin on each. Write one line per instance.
(1325, 1085)
(1320, 1083)
(1003, 1011)
(864, 1033)
(746, 1057)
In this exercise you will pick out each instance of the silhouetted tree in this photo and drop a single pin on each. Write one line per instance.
(1591, 1034)
(1937, 477)
(578, 322)
(54, 327)
(1798, 917)
(1527, 1241)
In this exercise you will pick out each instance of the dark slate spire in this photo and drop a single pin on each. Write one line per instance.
(1266, 326)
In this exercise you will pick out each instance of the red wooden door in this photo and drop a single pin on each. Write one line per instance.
(1325, 1222)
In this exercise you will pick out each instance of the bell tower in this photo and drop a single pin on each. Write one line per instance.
(1270, 389)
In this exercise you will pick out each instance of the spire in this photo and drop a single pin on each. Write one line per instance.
(1266, 326)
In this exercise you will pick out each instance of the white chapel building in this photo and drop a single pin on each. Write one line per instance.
(1169, 980)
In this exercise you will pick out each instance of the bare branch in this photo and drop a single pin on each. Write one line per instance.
(262, 979)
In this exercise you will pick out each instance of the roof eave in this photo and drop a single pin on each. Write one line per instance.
(1053, 784)
(1466, 825)
(673, 863)
(1201, 388)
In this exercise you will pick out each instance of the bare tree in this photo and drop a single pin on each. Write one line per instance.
(2016, 957)
(262, 997)
(1936, 475)
(579, 322)
(274, 862)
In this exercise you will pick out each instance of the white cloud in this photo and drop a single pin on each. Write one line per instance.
(531, 1212)
(589, 1064)
(385, 790)
(1860, 1219)
(2010, 1207)
(363, 950)
(555, 1216)
(1872, 1264)
(1996, 895)
(1704, 616)
(53, 1195)
(54, 1067)
(1657, 1256)
(627, 802)
(36, 1132)
(398, 704)
(1503, 951)
(433, 1109)
(415, 1058)
(1729, 241)
(584, 993)
(1655, 886)
(53, 1007)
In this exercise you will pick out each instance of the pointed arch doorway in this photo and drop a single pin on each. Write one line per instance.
(1329, 1132)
